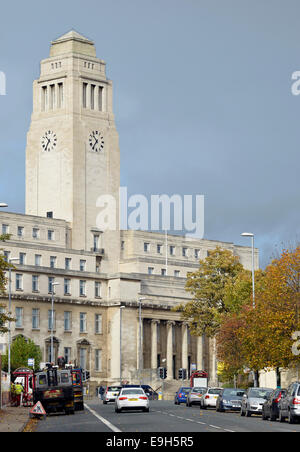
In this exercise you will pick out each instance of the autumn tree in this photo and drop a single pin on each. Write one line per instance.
(208, 288)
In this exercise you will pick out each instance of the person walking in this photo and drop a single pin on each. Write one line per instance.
(19, 391)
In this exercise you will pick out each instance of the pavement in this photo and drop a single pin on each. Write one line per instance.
(13, 419)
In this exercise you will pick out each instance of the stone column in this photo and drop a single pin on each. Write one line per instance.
(200, 363)
(154, 324)
(213, 372)
(170, 326)
(184, 347)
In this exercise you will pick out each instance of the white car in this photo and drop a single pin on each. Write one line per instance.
(209, 398)
(132, 399)
(111, 394)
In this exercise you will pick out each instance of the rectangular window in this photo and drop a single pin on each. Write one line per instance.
(60, 95)
(68, 261)
(37, 260)
(35, 283)
(67, 354)
(19, 318)
(5, 229)
(159, 249)
(184, 252)
(67, 286)
(163, 272)
(150, 270)
(44, 98)
(67, 321)
(96, 242)
(82, 265)
(50, 320)
(146, 247)
(22, 258)
(52, 97)
(20, 231)
(197, 254)
(50, 234)
(93, 88)
(172, 250)
(52, 261)
(19, 281)
(82, 288)
(35, 233)
(97, 289)
(35, 319)
(6, 255)
(177, 273)
(100, 98)
(84, 94)
(98, 323)
(50, 284)
(82, 358)
(82, 322)
(98, 360)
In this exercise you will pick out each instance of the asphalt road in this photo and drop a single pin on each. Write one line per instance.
(164, 416)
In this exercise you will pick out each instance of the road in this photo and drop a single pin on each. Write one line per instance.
(164, 416)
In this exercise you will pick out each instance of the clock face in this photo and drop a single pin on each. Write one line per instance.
(96, 141)
(49, 141)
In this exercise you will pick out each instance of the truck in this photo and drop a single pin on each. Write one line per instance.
(53, 387)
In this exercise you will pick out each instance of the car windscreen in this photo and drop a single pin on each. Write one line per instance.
(133, 391)
(200, 390)
(215, 391)
(233, 393)
(185, 390)
(113, 389)
(257, 393)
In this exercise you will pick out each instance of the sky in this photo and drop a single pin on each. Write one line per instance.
(202, 100)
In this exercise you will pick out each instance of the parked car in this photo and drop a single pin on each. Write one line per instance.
(230, 399)
(253, 401)
(132, 399)
(181, 395)
(111, 394)
(270, 409)
(289, 405)
(209, 398)
(194, 396)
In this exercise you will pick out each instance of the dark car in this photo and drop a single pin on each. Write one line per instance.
(230, 399)
(150, 393)
(270, 409)
(181, 395)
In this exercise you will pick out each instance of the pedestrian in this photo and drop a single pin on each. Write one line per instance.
(101, 391)
(13, 394)
(19, 391)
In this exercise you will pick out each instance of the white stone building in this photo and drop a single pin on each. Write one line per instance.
(72, 158)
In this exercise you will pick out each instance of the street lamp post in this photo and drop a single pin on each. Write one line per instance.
(10, 312)
(249, 234)
(52, 321)
(121, 310)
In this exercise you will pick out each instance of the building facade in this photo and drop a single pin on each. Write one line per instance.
(116, 289)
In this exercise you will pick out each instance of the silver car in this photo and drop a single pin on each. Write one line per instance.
(253, 400)
(289, 405)
(194, 397)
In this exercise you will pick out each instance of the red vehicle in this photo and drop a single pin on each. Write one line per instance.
(24, 376)
(199, 378)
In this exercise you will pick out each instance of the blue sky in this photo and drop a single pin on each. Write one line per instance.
(202, 99)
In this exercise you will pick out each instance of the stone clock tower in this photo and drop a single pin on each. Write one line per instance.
(72, 155)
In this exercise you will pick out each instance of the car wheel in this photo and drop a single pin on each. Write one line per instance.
(146, 410)
(104, 402)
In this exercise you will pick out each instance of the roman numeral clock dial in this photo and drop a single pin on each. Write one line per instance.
(49, 141)
(96, 141)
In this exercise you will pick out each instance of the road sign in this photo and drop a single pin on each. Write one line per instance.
(38, 410)
(30, 362)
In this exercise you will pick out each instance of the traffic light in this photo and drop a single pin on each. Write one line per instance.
(182, 374)
(162, 373)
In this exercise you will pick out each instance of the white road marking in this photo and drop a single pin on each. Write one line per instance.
(106, 422)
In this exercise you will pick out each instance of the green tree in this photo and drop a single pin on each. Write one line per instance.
(208, 287)
(21, 350)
